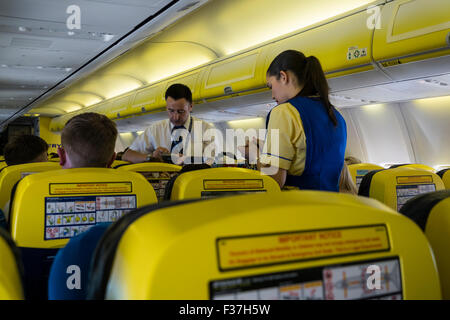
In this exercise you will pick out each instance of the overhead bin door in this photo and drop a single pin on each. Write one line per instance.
(116, 107)
(413, 40)
(344, 48)
(148, 98)
(241, 73)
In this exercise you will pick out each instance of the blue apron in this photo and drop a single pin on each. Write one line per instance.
(325, 146)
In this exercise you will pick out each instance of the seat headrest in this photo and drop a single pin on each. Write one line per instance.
(441, 173)
(419, 207)
(396, 186)
(296, 243)
(49, 208)
(213, 182)
(159, 174)
(432, 213)
(11, 269)
(364, 187)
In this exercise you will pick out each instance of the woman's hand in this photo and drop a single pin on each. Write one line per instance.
(251, 150)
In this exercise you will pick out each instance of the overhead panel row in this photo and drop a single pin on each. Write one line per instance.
(376, 42)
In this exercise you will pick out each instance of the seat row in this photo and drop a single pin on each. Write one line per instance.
(222, 243)
(358, 171)
(288, 245)
(48, 206)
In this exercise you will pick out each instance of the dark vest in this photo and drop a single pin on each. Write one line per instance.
(325, 146)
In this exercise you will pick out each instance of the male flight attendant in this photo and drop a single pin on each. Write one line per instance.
(176, 135)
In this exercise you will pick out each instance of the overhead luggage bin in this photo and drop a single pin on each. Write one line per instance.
(11, 269)
(445, 176)
(114, 108)
(238, 74)
(290, 245)
(413, 48)
(11, 174)
(146, 99)
(157, 173)
(214, 182)
(359, 170)
(49, 208)
(346, 59)
(394, 187)
(431, 212)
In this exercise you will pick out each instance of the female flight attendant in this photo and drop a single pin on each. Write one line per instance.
(309, 153)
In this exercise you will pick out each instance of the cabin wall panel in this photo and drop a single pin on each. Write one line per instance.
(383, 132)
(428, 121)
(124, 140)
(355, 145)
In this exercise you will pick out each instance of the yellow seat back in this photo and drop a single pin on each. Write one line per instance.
(415, 166)
(11, 174)
(288, 245)
(119, 163)
(207, 183)
(49, 208)
(359, 170)
(3, 164)
(432, 213)
(445, 176)
(157, 173)
(394, 187)
(11, 287)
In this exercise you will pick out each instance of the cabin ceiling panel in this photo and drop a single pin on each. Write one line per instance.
(20, 76)
(33, 58)
(94, 13)
(38, 48)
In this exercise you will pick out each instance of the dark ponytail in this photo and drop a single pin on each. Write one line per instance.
(309, 73)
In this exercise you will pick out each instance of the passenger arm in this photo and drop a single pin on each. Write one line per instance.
(137, 157)
(134, 156)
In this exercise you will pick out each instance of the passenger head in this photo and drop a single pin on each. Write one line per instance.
(25, 149)
(292, 74)
(88, 140)
(351, 160)
(179, 103)
(346, 183)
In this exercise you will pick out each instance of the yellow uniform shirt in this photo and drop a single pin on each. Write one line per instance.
(290, 153)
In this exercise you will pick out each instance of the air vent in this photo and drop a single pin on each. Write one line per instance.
(30, 43)
(188, 6)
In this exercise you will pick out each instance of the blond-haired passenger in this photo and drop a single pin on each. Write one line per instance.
(346, 184)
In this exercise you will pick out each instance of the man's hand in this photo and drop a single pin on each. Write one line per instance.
(159, 152)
